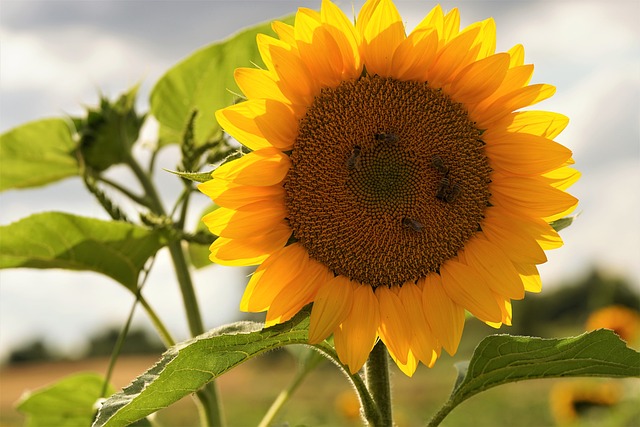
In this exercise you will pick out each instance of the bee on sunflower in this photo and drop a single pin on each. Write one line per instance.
(341, 204)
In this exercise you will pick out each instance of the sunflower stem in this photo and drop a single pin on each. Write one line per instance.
(377, 378)
(210, 410)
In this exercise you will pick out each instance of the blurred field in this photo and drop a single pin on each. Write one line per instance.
(325, 398)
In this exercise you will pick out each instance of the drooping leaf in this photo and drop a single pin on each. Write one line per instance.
(70, 402)
(108, 132)
(187, 367)
(502, 359)
(37, 153)
(59, 240)
(204, 82)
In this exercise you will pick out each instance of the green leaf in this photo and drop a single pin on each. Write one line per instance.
(37, 153)
(187, 367)
(562, 223)
(108, 133)
(502, 359)
(60, 240)
(204, 82)
(70, 402)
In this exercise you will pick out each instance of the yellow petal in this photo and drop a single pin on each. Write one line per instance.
(382, 35)
(525, 154)
(529, 196)
(414, 55)
(260, 123)
(285, 32)
(433, 21)
(233, 196)
(517, 55)
(541, 123)
(273, 275)
(518, 98)
(359, 330)
(422, 341)
(530, 277)
(514, 237)
(395, 330)
(249, 251)
(318, 49)
(247, 221)
(466, 287)
(264, 167)
(501, 276)
(451, 24)
(445, 317)
(479, 79)
(293, 74)
(345, 36)
(331, 306)
(300, 292)
(409, 367)
(562, 178)
(455, 55)
(256, 83)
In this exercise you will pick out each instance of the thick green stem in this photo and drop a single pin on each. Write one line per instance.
(211, 414)
(377, 377)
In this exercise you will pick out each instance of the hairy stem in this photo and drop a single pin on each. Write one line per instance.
(377, 377)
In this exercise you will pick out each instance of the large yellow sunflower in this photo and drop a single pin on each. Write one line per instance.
(393, 183)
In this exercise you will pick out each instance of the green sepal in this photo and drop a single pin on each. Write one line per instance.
(562, 223)
(108, 132)
(193, 176)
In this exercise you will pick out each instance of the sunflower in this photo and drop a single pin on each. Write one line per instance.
(392, 181)
(624, 321)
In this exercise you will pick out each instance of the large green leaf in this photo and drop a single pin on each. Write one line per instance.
(59, 240)
(70, 402)
(189, 366)
(37, 153)
(502, 359)
(204, 82)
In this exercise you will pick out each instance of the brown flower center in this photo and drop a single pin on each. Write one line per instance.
(388, 180)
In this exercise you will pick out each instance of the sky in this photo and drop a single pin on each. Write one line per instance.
(57, 56)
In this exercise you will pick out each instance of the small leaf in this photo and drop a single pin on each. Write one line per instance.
(204, 82)
(187, 367)
(562, 223)
(502, 359)
(37, 153)
(193, 176)
(60, 240)
(69, 402)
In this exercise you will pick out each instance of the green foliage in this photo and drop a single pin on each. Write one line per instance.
(204, 82)
(108, 133)
(37, 153)
(59, 240)
(502, 359)
(70, 402)
(199, 253)
(189, 366)
(193, 176)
